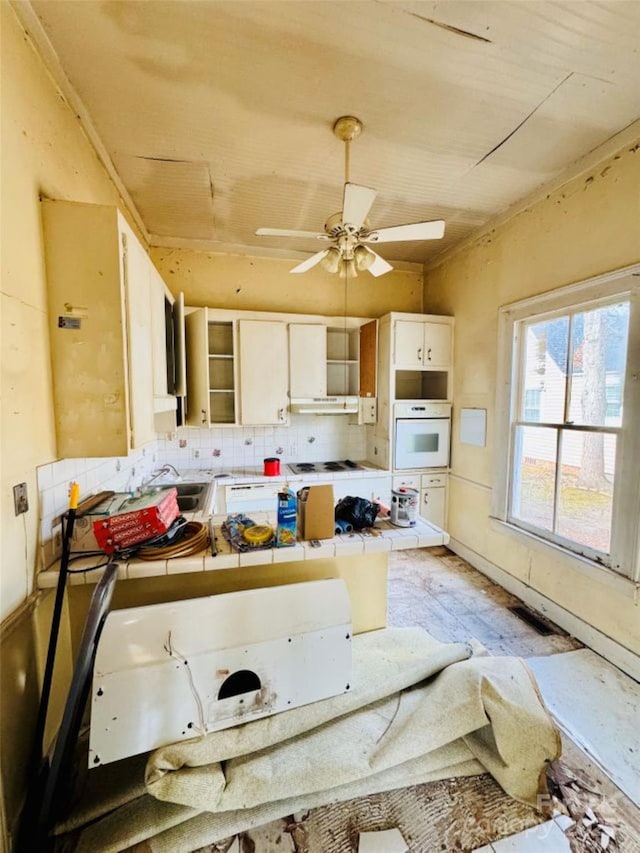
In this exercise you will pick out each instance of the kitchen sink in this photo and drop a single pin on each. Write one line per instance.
(192, 497)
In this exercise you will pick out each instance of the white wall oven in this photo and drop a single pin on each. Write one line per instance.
(422, 435)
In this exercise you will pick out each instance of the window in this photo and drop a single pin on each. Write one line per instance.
(571, 475)
(532, 398)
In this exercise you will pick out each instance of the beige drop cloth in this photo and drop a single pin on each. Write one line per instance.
(418, 710)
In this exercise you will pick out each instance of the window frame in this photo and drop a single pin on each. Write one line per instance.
(624, 558)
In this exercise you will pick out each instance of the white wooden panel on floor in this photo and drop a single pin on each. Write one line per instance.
(604, 722)
(543, 838)
(384, 841)
(169, 672)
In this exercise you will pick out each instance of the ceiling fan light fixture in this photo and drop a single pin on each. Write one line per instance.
(331, 261)
(348, 268)
(363, 257)
(350, 230)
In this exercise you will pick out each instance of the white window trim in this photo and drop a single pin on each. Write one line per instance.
(625, 283)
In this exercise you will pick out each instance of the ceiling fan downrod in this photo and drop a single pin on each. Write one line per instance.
(347, 128)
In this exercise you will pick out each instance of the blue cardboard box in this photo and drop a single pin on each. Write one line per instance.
(287, 519)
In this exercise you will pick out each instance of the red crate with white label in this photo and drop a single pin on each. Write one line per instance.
(138, 520)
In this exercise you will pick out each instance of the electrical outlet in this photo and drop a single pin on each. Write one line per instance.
(20, 499)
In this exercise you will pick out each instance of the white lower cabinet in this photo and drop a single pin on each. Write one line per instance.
(406, 481)
(433, 497)
(375, 488)
(433, 493)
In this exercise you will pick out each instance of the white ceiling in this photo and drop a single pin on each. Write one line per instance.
(218, 115)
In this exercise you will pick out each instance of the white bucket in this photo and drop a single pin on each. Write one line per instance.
(404, 507)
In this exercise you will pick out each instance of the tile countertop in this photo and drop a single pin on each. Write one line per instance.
(255, 475)
(386, 538)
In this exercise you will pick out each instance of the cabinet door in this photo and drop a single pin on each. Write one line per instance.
(159, 335)
(368, 354)
(264, 376)
(307, 360)
(139, 339)
(433, 506)
(408, 344)
(437, 345)
(197, 358)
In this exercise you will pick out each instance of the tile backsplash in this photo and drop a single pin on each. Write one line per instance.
(308, 438)
(120, 474)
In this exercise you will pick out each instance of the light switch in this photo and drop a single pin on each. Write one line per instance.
(20, 499)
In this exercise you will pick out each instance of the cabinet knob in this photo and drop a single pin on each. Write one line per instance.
(429, 354)
(204, 416)
(419, 353)
(281, 414)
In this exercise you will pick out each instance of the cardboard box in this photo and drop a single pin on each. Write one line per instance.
(316, 513)
(287, 519)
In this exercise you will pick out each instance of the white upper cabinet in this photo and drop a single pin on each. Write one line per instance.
(139, 338)
(100, 330)
(437, 345)
(409, 344)
(167, 344)
(211, 370)
(307, 360)
(237, 370)
(422, 345)
(264, 375)
(253, 367)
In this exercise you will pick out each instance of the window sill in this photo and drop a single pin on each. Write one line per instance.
(601, 574)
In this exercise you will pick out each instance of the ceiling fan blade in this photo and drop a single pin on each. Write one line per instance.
(379, 266)
(283, 232)
(356, 203)
(310, 262)
(400, 233)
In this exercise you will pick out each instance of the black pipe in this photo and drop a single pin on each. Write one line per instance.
(47, 680)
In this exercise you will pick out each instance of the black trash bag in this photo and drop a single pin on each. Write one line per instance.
(357, 511)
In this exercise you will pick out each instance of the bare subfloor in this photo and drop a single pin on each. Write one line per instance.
(434, 589)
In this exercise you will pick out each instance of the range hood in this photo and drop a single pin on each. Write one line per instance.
(340, 405)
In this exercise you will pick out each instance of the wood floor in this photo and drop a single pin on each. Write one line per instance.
(434, 589)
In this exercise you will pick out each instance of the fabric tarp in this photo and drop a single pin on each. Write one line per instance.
(418, 710)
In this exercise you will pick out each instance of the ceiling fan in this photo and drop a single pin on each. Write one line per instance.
(349, 231)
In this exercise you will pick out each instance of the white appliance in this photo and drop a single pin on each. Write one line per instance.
(244, 497)
(170, 672)
(422, 435)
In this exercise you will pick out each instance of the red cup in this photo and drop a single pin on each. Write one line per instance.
(271, 466)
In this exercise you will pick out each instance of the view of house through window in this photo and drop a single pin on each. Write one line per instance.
(567, 424)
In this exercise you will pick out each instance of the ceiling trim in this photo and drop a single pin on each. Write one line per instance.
(160, 242)
(47, 53)
(627, 136)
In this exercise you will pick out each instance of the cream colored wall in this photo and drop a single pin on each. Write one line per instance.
(44, 153)
(589, 226)
(264, 284)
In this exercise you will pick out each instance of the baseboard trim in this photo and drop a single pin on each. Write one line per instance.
(611, 650)
(17, 617)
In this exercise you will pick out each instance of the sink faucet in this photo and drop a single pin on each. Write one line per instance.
(165, 469)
